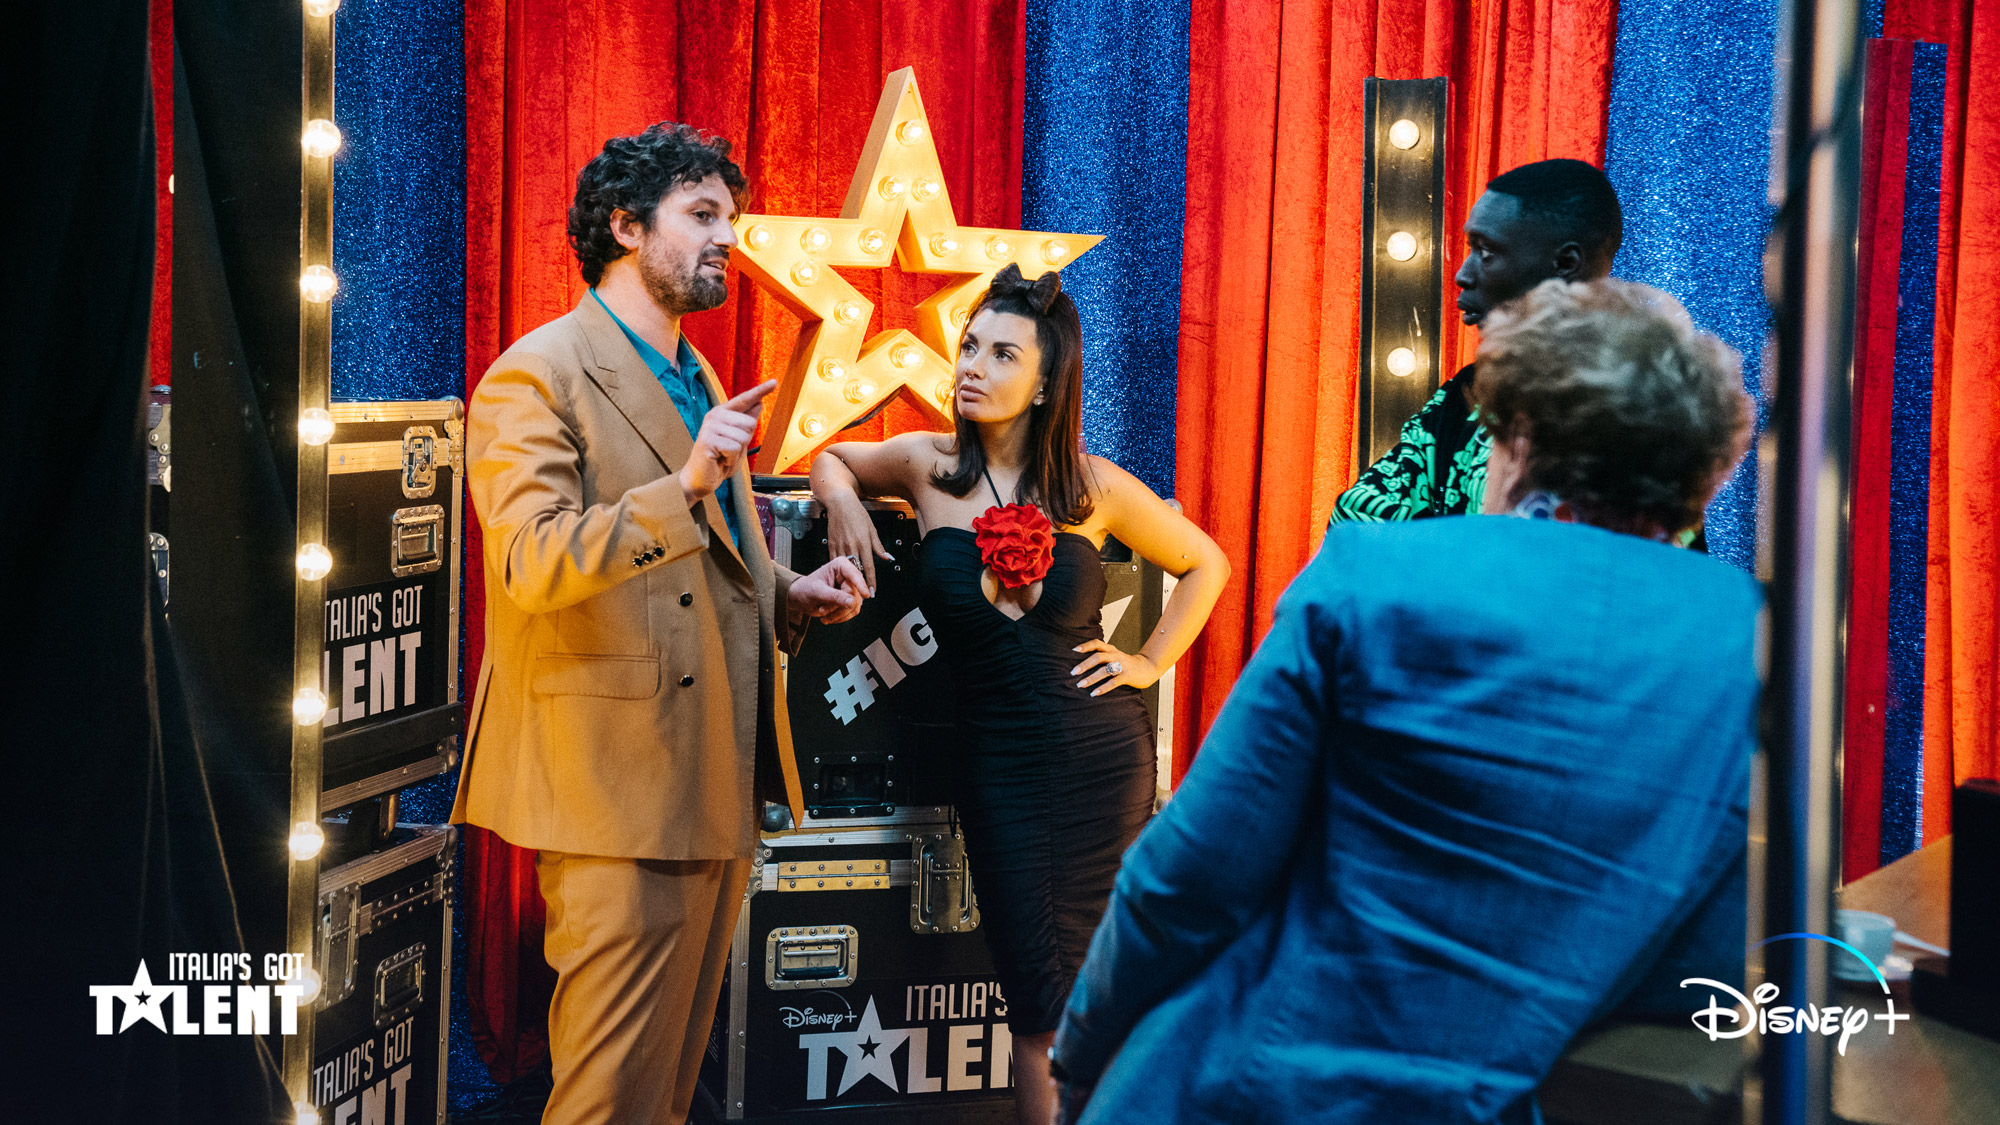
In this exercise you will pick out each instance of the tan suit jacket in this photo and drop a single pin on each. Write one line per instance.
(630, 700)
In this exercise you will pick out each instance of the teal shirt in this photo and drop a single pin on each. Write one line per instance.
(684, 384)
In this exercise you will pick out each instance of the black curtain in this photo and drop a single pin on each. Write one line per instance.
(146, 741)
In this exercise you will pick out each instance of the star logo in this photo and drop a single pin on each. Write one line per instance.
(143, 1000)
(867, 1049)
(897, 206)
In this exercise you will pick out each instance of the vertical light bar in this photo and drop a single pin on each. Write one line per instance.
(317, 285)
(1402, 270)
(1812, 254)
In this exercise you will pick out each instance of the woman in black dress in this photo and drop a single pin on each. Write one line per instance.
(1058, 768)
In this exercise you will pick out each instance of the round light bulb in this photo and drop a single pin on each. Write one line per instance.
(320, 9)
(832, 370)
(1400, 362)
(812, 425)
(318, 284)
(847, 312)
(925, 189)
(942, 392)
(905, 356)
(815, 240)
(758, 238)
(960, 315)
(873, 241)
(859, 390)
(303, 1113)
(306, 840)
(1404, 133)
(321, 138)
(308, 981)
(892, 187)
(308, 706)
(910, 132)
(315, 426)
(1054, 251)
(943, 245)
(314, 562)
(805, 273)
(998, 248)
(1402, 246)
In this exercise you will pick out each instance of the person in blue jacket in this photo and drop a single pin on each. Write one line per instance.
(1485, 780)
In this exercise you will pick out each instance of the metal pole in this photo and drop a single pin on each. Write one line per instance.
(1813, 256)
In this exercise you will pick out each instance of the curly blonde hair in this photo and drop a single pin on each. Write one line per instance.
(1631, 413)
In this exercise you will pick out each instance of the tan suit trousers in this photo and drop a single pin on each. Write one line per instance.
(639, 946)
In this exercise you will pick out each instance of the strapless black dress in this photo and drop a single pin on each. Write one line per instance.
(1053, 785)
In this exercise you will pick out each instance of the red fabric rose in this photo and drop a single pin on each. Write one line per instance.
(1016, 542)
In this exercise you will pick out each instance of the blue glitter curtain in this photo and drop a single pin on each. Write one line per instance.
(399, 251)
(1910, 461)
(1689, 152)
(399, 200)
(1106, 153)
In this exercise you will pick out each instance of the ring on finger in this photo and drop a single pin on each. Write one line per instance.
(1117, 669)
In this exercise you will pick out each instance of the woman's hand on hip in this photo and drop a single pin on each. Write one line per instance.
(1106, 667)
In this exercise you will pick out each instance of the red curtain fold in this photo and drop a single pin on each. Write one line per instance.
(1270, 292)
(793, 84)
(1962, 631)
(1884, 161)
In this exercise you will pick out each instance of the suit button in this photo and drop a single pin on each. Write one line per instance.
(687, 681)
(687, 599)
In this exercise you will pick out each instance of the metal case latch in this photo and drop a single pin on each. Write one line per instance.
(797, 957)
(339, 931)
(416, 540)
(420, 461)
(941, 898)
(399, 985)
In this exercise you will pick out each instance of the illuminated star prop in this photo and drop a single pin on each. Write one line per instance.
(897, 206)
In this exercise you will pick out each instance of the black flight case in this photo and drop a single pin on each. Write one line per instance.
(390, 668)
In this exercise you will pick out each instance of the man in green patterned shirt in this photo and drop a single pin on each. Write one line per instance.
(1553, 218)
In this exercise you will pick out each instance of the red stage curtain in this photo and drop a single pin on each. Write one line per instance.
(1884, 153)
(1962, 633)
(794, 84)
(1270, 293)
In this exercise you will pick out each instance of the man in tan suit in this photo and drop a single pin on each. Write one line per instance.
(629, 714)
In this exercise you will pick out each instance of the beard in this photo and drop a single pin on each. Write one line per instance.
(680, 287)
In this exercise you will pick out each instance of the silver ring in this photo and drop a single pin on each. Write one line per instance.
(1117, 669)
(855, 559)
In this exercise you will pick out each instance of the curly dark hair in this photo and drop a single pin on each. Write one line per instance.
(1631, 414)
(633, 174)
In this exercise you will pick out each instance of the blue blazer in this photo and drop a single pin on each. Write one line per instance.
(1485, 778)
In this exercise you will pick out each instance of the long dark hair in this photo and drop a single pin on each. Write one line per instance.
(1054, 478)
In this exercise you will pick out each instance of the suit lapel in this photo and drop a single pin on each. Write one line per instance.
(746, 507)
(617, 370)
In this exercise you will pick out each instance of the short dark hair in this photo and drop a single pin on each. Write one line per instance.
(1578, 203)
(1632, 414)
(633, 174)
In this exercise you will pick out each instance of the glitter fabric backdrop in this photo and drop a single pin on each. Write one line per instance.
(1105, 151)
(399, 200)
(399, 251)
(1689, 152)
(1910, 462)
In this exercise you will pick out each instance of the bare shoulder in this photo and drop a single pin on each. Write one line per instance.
(1109, 483)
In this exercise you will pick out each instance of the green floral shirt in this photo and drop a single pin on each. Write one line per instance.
(1436, 468)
